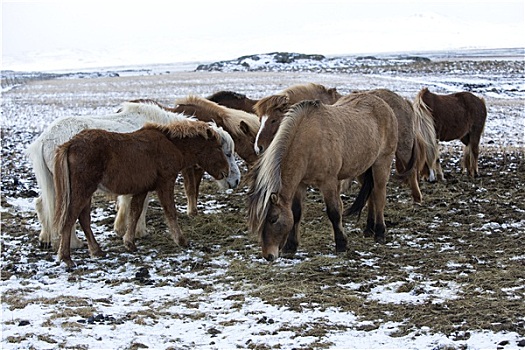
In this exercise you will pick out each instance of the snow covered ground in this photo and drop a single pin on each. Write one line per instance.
(188, 299)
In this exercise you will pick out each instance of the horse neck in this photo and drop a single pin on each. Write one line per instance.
(190, 148)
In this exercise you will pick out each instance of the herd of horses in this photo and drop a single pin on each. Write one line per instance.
(306, 135)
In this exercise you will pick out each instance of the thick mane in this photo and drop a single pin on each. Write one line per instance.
(185, 128)
(298, 90)
(230, 118)
(265, 177)
(154, 112)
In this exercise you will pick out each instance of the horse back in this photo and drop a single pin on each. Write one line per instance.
(456, 115)
(349, 136)
(122, 163)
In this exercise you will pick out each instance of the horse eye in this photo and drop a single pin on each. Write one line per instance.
(272, 219)
(274, 121)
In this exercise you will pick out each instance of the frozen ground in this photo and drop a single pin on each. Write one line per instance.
(450, 277)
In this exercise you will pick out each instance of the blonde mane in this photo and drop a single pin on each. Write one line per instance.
(186, 129)
(230, 118)
(153, 111)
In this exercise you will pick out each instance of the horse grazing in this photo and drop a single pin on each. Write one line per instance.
(319, 145)
(415, 143)
(131, 117)
(233, 100)
(242, 127)
(271, 109)
(457, 116)
(134, 164)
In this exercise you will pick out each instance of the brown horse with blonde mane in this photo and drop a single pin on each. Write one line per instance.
(233, 100)
(319, 145)
(135, 163)
(457, 116)
(242, 127)
(271, 109)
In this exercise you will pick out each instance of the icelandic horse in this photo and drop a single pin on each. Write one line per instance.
(319, 145)
(457, 116)
(133, 164)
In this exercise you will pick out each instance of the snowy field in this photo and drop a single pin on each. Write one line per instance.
(450, 277)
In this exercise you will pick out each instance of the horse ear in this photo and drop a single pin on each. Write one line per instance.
(274, 198)
(244, 127)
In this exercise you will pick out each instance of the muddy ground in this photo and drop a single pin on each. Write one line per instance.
(458, 258)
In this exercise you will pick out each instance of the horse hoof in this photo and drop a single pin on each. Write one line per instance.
(368, 233)
(45, 245)
(98, 253)
(380, 239)
(130, 246)
(69, 264)
(182, 242)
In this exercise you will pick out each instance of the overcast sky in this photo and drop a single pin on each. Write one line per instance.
(157, 31)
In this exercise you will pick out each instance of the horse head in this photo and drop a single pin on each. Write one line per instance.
(232, 177)
(271, 111)
(277, 224)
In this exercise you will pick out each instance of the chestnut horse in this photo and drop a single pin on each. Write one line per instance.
(130, 117)
(457, 116)
(271, 109)
(242, 127)
(133, 164)
(416, 140)
(319, 145)
(233, 100)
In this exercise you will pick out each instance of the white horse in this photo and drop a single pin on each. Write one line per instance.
(130, 117)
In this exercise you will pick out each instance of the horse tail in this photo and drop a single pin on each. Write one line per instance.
(44, 178)
(404, 171)
(362, 197)
(62, 187)
(425, 133)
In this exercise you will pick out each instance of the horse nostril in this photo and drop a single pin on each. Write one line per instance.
(270, 257)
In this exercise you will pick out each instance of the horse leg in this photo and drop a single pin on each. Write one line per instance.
(191, 189)
(45, 232)
(292, 241)
(413, 183)
(165, 194)
(141, 230)
(377, 200)
(121, 219)
(439, 172)
(85, 222)
(334, 209)
(136, 205)
(471, 154)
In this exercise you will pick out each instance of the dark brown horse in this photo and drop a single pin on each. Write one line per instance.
(271, 109)
(457, 116)
(319, 145)
(132, 164)
(233, 100)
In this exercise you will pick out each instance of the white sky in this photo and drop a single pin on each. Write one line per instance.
(157, 31)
